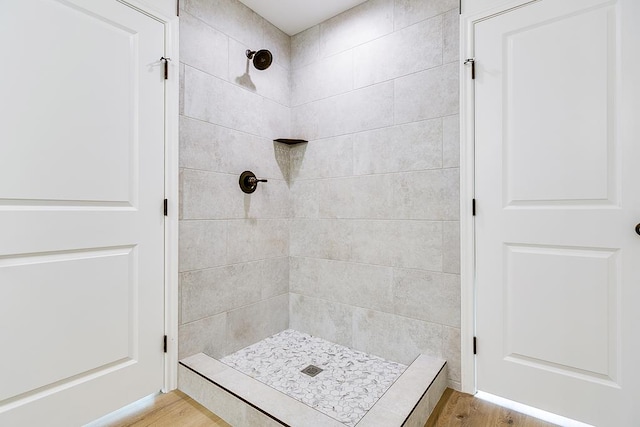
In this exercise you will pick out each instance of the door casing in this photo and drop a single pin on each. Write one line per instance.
(467, 189)
(171, 144)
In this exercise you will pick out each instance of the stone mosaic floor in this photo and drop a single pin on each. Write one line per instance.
(351, 383)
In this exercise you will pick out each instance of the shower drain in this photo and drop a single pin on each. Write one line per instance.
(311, 370)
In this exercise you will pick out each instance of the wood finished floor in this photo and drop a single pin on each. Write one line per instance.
(174, 409)
(455, 409)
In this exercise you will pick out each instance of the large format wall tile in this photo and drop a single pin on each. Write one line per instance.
(216, 101)
(327, 158)
(255, 322)
(397, 338)
(359, 285)
(305, 47)
(322, 79)
(329, 320)
(431, 195)
(305, 198)
(428, 94)
(211, 195)
(426, 295)
(329, 239)
(451, 352)
(254, 239)
(355, 236)
(212, 291)
(207, 195)
(361, 24)
(451, 247)
(278, 43)
(410, 244)
(214, 148)
(408, 12)
(361, 197)
(451, 36)
(305, 122)
(203, 47)
(355, 111)
(206, 335)
(451, 141)
(393, 55)
(234, 247)
(276, 120)
(202, 244)
(408, 147)
(229, 17)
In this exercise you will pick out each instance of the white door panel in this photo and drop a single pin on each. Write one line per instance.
(81, 190)
(556, 187)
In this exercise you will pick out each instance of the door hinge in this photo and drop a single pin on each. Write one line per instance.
(475, 345)
(473, 207)
(166, 67)
(178, 7)
(165, 344)
(472, 61)
(166, 207)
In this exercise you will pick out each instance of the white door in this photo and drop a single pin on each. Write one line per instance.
(81, 221)
(558, 199)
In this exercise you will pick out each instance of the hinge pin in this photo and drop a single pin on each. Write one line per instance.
(471, 61)
(166, 67)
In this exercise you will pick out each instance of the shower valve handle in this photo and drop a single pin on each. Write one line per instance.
(253, 180)
(249, 182)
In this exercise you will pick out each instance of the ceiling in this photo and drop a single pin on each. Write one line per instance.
(293, 16)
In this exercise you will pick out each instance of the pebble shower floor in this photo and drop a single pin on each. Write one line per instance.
(349, 385)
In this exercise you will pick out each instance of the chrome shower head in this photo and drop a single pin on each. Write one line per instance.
(261, 59)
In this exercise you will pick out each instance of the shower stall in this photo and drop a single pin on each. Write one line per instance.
(345, 262)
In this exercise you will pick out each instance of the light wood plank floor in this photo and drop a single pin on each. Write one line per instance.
(176, 409)
(457, 409)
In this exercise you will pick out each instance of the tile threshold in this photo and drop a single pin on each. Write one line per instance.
(408, 402)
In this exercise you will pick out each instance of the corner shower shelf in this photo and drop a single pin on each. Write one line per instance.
(290, 141)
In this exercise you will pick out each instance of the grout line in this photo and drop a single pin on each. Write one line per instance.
(376, 174)
(325, 138)
(235, 264)
(225, 312)
(234, 174)
(399, 220)
(379, 311)
(233, 84)
(394, 267)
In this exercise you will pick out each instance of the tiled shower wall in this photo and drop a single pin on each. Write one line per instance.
(234, 248)
(375, 194)
(361, 224)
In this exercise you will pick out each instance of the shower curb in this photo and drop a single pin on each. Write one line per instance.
(243, 401)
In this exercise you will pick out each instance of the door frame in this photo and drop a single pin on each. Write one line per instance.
(171, 184)
(467, 190)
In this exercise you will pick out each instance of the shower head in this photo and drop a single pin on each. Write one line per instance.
(261, 59)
